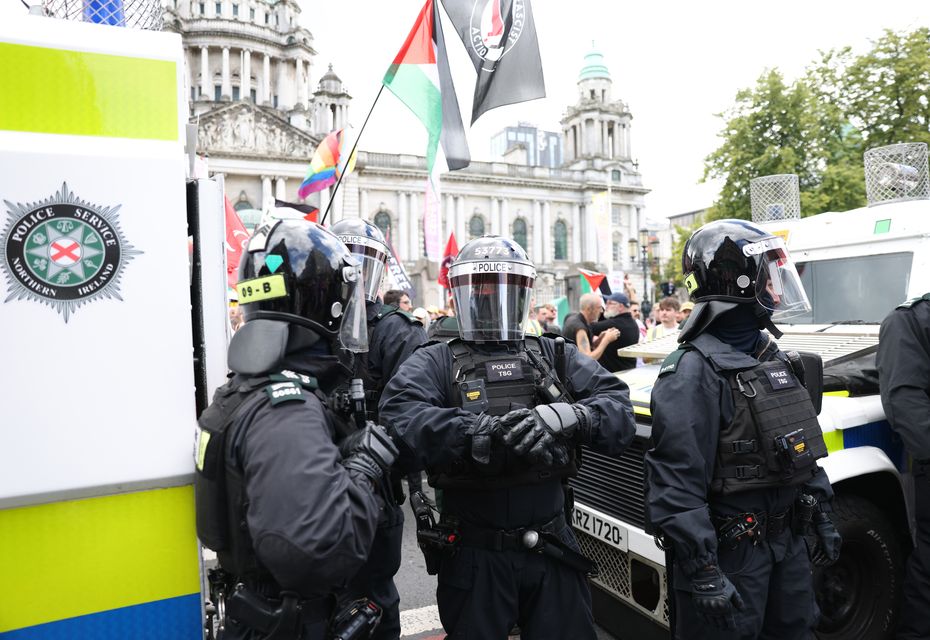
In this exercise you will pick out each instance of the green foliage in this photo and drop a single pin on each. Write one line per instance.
(672, 270)
(819, 126)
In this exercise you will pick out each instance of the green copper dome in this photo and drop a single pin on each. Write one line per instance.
(594, 67)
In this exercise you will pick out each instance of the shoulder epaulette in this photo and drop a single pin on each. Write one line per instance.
(307, 382)
(910, 303)
(670, 364)
(279, 392)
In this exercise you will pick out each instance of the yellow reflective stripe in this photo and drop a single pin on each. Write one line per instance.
(837, 394)
(833, 440)
(641, 411)
(72, 558)
(87, 94)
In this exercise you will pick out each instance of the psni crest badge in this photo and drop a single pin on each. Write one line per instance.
(63, 252)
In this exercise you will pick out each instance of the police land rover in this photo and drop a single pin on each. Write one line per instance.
(856, 266)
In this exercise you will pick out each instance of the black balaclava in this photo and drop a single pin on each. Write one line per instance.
(738, 327)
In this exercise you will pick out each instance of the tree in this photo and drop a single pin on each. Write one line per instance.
(819, 126)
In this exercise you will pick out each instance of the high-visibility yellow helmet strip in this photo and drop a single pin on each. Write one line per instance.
(73, 558)
(87, 94)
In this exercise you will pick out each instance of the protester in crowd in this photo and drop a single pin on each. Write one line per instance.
(533, 326)
(666, 315)
(629, 289)
(578, 327)
(617, 315)
(434, 312)
(548, 318)
(684, 313)
(399, 299)
(422, 315)
(637, 315)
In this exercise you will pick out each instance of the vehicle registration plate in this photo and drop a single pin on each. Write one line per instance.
(601, 528)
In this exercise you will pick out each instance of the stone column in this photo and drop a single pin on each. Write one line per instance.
(281, 89)
(505, 218)
(461, 234)
(590, 249)
(576, 233)
(364, 213)
(206, 82)
(415, 215)
(546, 233)
(537, 232)
(226, 90)
(495, 217)
(267, 196)
(266, 80)
(448, 219)
(401, 241)
(245, 76)
(301, 84)
(584, 139)
(280, 191)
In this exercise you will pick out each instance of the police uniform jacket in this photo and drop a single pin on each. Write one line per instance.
(689, 407)
(431, 431)
(310, 519)
(904, 370)
(393, 339)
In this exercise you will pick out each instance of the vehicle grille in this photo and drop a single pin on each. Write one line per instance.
(614, 486)
(614, 575)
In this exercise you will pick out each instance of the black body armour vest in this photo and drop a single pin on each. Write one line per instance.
(219, 490)
(774, 439)
(497, 384)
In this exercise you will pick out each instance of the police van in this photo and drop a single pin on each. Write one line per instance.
(113, 336)
(856, 266)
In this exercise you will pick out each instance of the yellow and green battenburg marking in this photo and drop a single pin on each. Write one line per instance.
(87, 94)
(110, 566)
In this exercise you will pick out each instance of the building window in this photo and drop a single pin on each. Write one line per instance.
(253, 95)
(203, 9)
(218, 7)
(217, 92)
(252, 15)
(592, 94)
(275, 102)
(618, 250)
(560, 232)
(267, 18)
(519, 232)
(616, 175)
(383, 222)
(615, 214)
(235, 93)
(476, 226)
(235, 10)
(193, 93)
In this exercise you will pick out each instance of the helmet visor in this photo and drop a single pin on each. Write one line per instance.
(492, 306)
(353, 332)
(778, 285)
(373, 256)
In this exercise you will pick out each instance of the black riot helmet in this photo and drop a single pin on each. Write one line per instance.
(735, 261)
(367, 243)
(492, 283)
(299, 272)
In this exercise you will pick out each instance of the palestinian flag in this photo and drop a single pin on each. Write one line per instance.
(595, 281)
(420, 78)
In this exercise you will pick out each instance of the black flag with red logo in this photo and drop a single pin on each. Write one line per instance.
(500, 38)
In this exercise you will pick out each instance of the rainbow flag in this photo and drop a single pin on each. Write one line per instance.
(330, 160)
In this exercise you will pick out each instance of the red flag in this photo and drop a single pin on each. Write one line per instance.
(595, 279)
(452, 250)
(236, 240)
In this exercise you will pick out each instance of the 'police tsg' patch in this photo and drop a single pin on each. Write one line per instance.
(63, 252)
(781, 379)
(284, 392)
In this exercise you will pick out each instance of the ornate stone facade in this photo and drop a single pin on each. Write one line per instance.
(249, 72)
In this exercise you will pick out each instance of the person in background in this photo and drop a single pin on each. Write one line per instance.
(667, 312)
(533, 326)
(399, 299)
(422, 315)
(684, 313)
(637, 315)
(548, 317)
(434, 312)
(578, 327)
(617, 315)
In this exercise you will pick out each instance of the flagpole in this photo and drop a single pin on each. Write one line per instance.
(329, 205)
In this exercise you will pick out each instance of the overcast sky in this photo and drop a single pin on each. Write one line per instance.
(675, 64)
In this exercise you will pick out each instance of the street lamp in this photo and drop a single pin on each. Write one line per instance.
(642, 246)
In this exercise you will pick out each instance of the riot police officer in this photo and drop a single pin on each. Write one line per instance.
(393, 336)
(495, 417)
(290, 514)
(732, 479)
(904, 372)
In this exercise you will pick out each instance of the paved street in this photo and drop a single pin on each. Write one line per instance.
(419, 616)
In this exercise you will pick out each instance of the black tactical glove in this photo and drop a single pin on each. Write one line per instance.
(827, 543)
(543, 434)
(370, 451)
(483, 433)
(715, 598)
